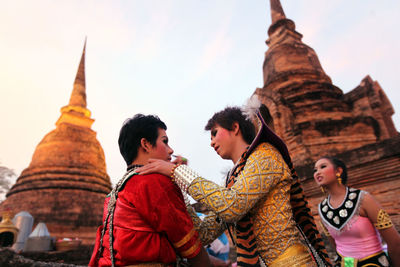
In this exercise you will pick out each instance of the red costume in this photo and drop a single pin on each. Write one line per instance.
(150, 224)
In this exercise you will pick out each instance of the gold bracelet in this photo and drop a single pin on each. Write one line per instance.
(172, 172)
(383, 220)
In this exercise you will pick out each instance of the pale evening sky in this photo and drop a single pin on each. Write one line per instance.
(182, 60)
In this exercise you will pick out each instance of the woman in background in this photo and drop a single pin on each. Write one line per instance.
(352, 218)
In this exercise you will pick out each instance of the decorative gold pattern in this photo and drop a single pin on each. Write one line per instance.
(262, 189)
(208, 228)
(383, 220)
(295, 256)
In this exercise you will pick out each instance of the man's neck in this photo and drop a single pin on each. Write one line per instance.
(240, 148)
(137, 164)
(141, 159)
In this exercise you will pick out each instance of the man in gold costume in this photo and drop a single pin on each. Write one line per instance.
(262, 202)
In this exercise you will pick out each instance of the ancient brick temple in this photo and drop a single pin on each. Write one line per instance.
(66, 181)
(316, 118)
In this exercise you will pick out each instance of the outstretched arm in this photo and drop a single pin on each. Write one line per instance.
(157, 166)
(264, 168)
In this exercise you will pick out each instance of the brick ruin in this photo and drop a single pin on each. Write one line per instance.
(66, 181)
(315, 118)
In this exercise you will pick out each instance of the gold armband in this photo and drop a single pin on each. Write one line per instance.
(383, 220)
(183, 176)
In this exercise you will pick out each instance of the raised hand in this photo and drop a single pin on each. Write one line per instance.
(157, 166)
(180, 160)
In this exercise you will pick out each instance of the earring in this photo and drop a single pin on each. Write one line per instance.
(339, 178)
(322, 189)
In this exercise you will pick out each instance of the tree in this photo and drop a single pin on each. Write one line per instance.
(7, 178)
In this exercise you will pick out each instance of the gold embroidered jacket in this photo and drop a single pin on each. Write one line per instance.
(262, 190)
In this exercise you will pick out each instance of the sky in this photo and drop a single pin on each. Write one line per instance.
(182, 60)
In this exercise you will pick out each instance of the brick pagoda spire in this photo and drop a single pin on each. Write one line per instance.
(307, 110)
(66, 181)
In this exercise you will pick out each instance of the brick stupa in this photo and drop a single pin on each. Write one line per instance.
(315, 118)
(66, 181)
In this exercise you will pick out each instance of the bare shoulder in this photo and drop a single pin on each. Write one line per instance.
(370, 200)
(370, 206)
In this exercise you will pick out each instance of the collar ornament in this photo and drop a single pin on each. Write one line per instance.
(348, 204)
(343, 213)
(336, 220)
(352, 196)
(329, 214)
(339, 217)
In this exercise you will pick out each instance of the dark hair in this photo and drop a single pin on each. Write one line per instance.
(227, 117)
(338, 163)
(133, 130)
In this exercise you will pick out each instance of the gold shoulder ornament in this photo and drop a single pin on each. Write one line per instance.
(383, 220)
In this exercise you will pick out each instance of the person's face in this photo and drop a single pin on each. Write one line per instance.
(161, 149)
(222, 141)
(324, 172)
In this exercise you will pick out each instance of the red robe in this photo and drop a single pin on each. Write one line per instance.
(151, 224)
